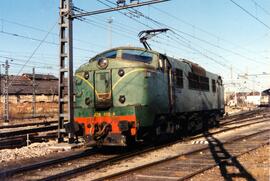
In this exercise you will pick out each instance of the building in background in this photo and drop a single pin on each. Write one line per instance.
(21, 88)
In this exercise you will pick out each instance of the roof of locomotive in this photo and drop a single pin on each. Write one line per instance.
(119, 48)
(126, 48)
(194, 66)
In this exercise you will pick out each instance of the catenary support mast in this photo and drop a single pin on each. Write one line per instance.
(65, 101)
(34, 93)
(5, 93)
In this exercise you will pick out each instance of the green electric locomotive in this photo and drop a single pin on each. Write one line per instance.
(130, 94)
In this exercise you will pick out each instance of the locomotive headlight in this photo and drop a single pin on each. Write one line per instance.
(121, 72)
(86, 75)
(122, 99)
(103, 63)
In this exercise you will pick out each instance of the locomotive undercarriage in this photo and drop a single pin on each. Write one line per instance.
(182, 124)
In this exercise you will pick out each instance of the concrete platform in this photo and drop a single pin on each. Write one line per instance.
(66, 146)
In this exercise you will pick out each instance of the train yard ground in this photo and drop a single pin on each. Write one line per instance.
(238, 149)
(18, 135)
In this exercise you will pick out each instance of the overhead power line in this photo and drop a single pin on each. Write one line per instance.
(47, 42)
(118, 8)
(185, 42)
(175, 37)
(201, 29)
(33, 53)
(23, 60)
(250, 14)
(262, 8)
(42, 30)
(187, 34)
(31, 66)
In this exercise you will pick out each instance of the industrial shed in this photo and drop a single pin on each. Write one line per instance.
(21, 89)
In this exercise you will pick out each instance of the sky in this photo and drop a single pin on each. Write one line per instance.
(216, 34)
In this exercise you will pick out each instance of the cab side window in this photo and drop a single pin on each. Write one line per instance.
(179, 78)
(161, 64)
(214, 88)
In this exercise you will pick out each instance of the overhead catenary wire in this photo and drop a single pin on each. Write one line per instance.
(42, 30)
(37, 47)
(23, 60)
(200, 29)
(141, 14)
(207, 42)
(262, 8)
(181, 43)
(31, 66)
(161, 25)
(188, 45)
(187, 41)
(207, 56)
(175, 30)
(39, 40)
(120, 29)
(250, 14)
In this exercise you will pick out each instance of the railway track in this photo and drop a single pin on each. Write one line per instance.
(244, 115)
(13, 136)
(68, 167)
(10, 133)
(44, 123)
(190, 164)
(23, 140)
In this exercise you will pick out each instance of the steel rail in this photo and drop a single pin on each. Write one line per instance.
(35, 166)
(20, 141)
(230, 128)
(195, 151)
(214, 165)
(28, 124)
(226, 123)
(244, 114)
(27, 131)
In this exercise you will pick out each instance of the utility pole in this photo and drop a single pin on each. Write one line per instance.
(234, 87)
(66, 61)
(34, 93)
(5, 93)
(110, 20)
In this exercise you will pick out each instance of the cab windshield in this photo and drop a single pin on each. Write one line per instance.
(127, 54)
(137, 55)
(109, 54)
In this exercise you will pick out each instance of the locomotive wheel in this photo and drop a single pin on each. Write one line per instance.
(185, 127)
(206, 123)
(216, 120)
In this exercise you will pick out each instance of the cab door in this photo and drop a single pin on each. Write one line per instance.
(219, 93)
(103, 89)
(168, 72)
